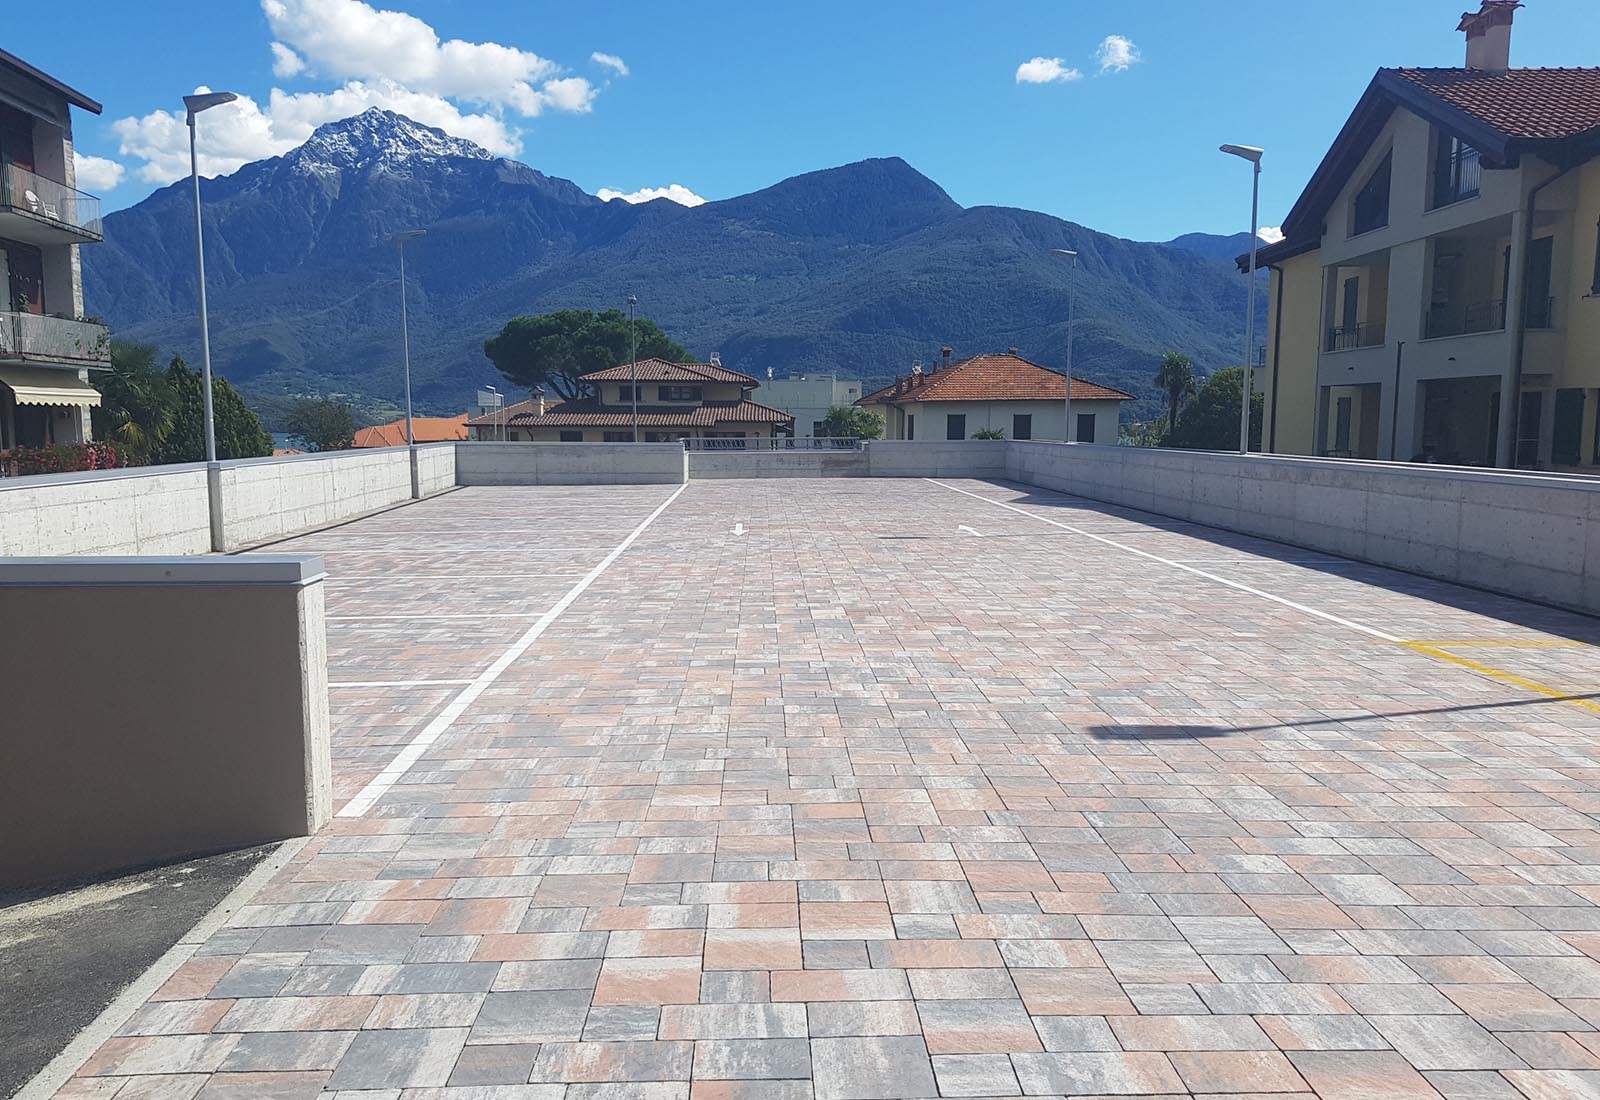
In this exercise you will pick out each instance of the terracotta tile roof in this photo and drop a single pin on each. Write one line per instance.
(426, 429)
(502, 415)
(992, 378)
(1534, 104)
(659, 370)
(590, 413)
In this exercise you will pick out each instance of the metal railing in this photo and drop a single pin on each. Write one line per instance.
(31, 335)
(1367, 334)
(1542, 313)
(46, 198)
(1457, 178)
(771, 443)
(1474, 318)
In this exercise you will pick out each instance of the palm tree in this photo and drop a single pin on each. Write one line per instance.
(138, 408)
(1176, 377)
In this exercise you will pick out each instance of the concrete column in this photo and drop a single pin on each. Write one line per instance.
(1505, 446)
(1591, 407)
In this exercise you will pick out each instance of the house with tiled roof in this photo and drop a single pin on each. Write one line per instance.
(673, 401)
(988, 393)
(1436, 295)
(424, 429)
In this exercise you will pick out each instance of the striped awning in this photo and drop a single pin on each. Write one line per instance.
(43, 386)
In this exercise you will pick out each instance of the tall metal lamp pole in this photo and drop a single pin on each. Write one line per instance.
(193, 105)
(1072, 318)
(400, 240)
(1253, 155)
(633, 363)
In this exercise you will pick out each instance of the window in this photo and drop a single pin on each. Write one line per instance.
(1022, 426)
(619, 437)
(1456, 170)
(817, 428)
(1341, 426)
(625, 394)
(680, 393)
(911, 426)
(955, 426)
(1372, 201)
(1086, 427)
(572, 437)
(23, 265)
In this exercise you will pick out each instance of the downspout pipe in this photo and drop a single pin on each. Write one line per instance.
(1277, 352)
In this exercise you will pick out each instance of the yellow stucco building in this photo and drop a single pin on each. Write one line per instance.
(1442, 259)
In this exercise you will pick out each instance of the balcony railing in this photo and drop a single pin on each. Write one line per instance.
(1367, 334)
(1457, 177)
(771, 443)
(1474, 318)
(28, 191)
(1542, 313)
(32, 336)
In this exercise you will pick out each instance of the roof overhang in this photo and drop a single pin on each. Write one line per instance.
(66, 91)
(43, 386)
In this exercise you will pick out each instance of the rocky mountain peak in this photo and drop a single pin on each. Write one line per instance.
(377, 136)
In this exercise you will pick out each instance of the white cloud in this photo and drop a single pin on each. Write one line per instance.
(1046, 70)
(677, 192)
(285, 62)
(377, 58)
(95, 173)
(610, 61)
(1272, 234)
(1116, 54)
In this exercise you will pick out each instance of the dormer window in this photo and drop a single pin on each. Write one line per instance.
(1372, 201)
(1456, 170)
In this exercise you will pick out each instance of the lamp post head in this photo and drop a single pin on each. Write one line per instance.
(1067, 252)
(409, 235)
(1244, 152)
(632, 301)
(204, 101)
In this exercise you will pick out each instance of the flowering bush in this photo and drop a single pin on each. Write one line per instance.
(59, 459)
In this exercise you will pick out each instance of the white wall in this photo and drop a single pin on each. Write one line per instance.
(937, 458)
(483, 463)
(1534, 536)
(1048, 418)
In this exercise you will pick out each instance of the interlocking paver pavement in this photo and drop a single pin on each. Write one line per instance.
(900, 793)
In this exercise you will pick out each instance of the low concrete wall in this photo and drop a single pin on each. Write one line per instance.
(731, 464)
(938, 458)
(486, 463)
(268, 498)
(157, 709)
(1534, 536)
(163, 510)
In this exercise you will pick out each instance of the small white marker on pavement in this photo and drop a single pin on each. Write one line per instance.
(738, 528)
(971, 531)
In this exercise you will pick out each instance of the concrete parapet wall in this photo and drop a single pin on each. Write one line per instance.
(158, 709)
(937, 458)
(487, 463)
(1534, 536)
(732, 464)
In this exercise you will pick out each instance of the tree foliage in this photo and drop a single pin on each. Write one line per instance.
(321, 423)
(1211, 420)
(553, 349)
(852, 422)
(138, 407)
(988, 433)
(239, 431)
(1175, 377)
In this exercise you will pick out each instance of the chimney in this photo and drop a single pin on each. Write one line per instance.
(1489, 35)
(944, 358)
(538, 401)
(1011, 351)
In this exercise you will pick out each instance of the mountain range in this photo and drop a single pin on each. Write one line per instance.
(861, 269)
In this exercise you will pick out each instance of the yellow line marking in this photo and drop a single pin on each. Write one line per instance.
(1505, 677)
(1505, 644)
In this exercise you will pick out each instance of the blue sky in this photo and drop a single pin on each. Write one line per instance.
(727, 97)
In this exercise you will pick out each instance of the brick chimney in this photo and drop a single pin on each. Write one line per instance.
(1489, 35)
(1011, 351)
(538, 401)
(944, 357)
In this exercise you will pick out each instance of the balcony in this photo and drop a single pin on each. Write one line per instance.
(1457, 176)
(42, 211)
(1367, 334)
(30, 336)
(1541, 313)
(1448, 320)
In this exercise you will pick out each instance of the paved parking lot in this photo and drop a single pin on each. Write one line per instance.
(840, 790)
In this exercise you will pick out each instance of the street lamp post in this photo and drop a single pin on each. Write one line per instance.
(1072, 318)
(400, 240)
(633, 363)
(193, 105)
(1253, 155)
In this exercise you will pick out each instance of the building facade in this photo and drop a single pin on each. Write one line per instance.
(47, 345)
(675, 401)
(1437, 293)
(808, 397)
(988, 393)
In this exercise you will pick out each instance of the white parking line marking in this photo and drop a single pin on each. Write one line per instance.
(446, 718)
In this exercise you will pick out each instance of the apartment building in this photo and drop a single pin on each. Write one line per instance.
(675, 401)
(1004, 393)
(1437, 293)
(808, 397)
(47, 345)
